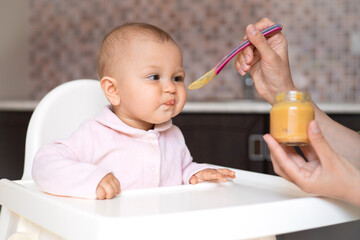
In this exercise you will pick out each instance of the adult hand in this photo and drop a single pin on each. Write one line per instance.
(325, 173)
(221, 174)
(108, 187)
(266, 60)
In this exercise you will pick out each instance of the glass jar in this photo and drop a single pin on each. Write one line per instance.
(290, 117)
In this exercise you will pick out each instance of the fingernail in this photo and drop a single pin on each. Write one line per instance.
(265, 137)
(252, 30)
(314, 127)
(247, 58)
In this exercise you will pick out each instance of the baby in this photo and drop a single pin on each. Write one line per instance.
(132, 142)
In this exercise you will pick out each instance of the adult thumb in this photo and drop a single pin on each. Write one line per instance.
(318, 142)
(259, 41)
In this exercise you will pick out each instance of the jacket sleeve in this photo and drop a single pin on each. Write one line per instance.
(65, 167)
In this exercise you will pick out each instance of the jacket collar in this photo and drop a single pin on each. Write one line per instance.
(108, 118)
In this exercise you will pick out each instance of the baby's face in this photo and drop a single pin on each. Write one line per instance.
(150, 77)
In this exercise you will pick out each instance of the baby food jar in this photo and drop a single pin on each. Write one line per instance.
(290, 117)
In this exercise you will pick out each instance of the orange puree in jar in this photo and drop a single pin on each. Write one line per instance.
(290, 117)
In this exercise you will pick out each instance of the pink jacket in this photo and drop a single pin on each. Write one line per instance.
(138, 158)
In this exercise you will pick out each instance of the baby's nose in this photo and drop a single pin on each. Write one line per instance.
(169, 86)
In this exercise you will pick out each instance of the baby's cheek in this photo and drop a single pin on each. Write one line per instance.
(182, 99)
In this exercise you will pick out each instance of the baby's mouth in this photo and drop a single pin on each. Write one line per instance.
(170, 102)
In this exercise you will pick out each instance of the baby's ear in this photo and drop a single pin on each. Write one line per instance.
(110, 89)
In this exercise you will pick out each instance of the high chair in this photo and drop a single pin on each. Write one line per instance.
(252, 206)
(60, 113)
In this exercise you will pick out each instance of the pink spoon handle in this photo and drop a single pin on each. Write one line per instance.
(222, 63)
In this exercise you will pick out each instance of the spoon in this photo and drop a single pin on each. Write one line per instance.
(200, 82)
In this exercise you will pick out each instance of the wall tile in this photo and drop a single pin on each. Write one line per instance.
(65, 37)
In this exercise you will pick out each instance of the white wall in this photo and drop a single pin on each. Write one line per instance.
(14, 50)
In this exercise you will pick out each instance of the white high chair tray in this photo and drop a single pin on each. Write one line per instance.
(253, 205)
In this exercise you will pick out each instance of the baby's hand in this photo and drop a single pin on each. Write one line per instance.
(108, 187)
(221, 174)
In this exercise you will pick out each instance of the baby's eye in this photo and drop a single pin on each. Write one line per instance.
(154, 77)
(178, 79)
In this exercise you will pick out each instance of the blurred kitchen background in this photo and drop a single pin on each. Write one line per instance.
(44, 43)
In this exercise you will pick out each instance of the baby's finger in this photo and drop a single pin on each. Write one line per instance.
(199, 180)
(117, 185)
(196, 179)
(100, 192)
(226, 172)
(213, 174)
(193, 179)
(109, 189)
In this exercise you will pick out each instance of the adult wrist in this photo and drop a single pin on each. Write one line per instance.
(352, 194)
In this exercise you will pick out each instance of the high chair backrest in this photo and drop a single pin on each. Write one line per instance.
(59, 113)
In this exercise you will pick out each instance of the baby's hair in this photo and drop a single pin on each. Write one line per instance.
(120, 36)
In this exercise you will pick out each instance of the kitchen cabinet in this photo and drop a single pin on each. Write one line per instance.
(13, 126)
(223, 139)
